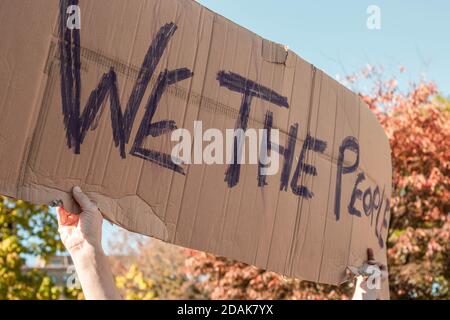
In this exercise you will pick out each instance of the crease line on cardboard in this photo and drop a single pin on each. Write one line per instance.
(192, 146)
(186, 106)
(182, 93)
(214, 106)
(298, 217)
(40, 103)
(349, 246)
(261, 189)
(169, 49)
(314, 156)
(279, 192)
(130, 55)
(329, 191)
(234, 244)
(276, 215)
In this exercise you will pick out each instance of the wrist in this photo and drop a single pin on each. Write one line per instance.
(85, 252)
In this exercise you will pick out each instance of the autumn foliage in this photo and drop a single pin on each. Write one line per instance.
(26, 229)
(418, 127)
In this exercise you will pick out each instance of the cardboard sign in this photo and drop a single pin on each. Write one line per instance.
(91, 92)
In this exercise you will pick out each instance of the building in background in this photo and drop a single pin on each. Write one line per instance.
(58, 268)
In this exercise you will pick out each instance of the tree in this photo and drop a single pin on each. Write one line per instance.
(221, 278)
(418, 127)
(148, 269)
(26, 230)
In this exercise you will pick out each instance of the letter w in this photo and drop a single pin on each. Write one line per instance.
(77, 125)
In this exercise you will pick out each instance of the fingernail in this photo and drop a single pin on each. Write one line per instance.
(77, 189)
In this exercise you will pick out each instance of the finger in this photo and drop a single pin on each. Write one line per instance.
(82, 199)
(61, 216)
(370, 256)
(381, 266)
(72, 220)
(66, 218)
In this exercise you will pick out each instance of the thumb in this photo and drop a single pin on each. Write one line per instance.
(82, 199)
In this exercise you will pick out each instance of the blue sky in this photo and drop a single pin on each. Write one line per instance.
(333, 35)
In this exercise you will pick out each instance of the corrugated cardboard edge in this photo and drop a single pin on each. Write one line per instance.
(113, 210)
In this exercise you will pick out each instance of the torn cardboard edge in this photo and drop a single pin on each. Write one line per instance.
(274, 53)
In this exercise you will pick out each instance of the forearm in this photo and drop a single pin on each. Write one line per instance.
(94, 273)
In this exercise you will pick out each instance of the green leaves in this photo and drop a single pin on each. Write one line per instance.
(26, 229)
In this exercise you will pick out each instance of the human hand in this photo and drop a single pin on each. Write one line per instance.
(369, 278)
(372, 262)
(82, 236)
(83, 230)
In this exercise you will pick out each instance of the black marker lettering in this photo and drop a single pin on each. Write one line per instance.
(384, 224)
(376, 203)
(368, 205)
(249, 89)
(288, 157)
(122, 123)
(349, 143)
(268, 123)
(356, 194)
(165, 79)
(315, 145)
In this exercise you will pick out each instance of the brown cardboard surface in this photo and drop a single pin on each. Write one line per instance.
(269, 226)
